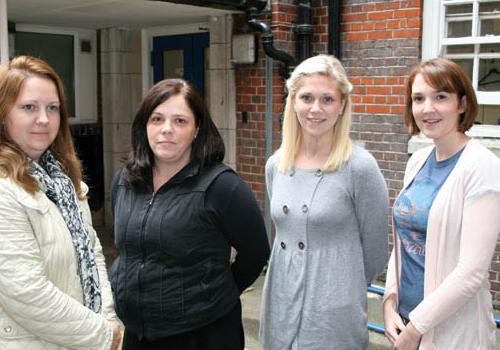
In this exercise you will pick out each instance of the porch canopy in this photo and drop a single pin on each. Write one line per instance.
(92, 14)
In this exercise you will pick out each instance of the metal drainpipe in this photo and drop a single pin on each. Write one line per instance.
(304, 30)
(334, 27)
(288, 61)
(269, 138)
(267, 39)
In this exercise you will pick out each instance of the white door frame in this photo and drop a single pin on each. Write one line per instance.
(147, 35)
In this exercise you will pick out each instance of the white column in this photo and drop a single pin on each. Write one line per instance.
(4, 33)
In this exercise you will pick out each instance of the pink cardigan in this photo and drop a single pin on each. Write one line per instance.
(463, 227)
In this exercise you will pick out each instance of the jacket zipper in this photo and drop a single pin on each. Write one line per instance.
(143, 233)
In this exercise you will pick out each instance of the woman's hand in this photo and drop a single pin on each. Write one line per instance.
(117, 336)
(393, 323)
(409, 339)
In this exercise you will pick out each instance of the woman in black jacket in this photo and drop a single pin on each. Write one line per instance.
(177, 212)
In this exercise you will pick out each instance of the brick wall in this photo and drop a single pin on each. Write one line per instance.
(251, 99)
(250, 127)
(380, 42)
(320, 22)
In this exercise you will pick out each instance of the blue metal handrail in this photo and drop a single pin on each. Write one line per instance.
(379, 328)
(375, 327)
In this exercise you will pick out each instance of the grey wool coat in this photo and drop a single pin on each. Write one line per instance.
(331, 241)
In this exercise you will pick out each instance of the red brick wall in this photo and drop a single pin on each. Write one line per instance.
(320, 22)
(250, 135)
(251, 98)
(380, 42)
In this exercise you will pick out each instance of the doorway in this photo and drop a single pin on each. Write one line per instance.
(181, 56)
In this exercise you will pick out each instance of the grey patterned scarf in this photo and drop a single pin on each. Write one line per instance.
(58, 187)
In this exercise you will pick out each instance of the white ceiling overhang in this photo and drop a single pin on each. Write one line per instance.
(96, 14)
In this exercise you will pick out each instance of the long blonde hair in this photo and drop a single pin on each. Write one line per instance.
(341, 148)
(13, 161)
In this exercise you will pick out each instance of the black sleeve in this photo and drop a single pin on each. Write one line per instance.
(242, 224)
(114, 189)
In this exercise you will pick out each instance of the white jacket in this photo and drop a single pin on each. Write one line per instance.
(40, 292)
(462, 231)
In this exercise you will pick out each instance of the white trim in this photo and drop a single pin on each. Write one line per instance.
(485, 131)
(488, 97)
(85, 96)
(458, 2)
(433, 33)
(4, 33)
(491, 39)
(488, 135)
(147, 35)
(31, 28)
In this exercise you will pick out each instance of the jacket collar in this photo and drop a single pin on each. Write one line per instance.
(189, 171)
(37, 201)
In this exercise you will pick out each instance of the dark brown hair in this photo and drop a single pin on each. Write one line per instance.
(207, 148)
(443, 75)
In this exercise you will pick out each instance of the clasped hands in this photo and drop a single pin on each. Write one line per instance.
(402, 337)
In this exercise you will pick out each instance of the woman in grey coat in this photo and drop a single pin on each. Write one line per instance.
(329, 205)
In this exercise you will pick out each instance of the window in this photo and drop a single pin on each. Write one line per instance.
(72, 53)
(468, 32)
(58, 51)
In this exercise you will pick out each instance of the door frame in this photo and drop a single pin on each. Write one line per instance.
(193, 47)
(147, 35)
(221, 93)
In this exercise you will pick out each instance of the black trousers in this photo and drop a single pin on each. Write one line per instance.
(225, 333)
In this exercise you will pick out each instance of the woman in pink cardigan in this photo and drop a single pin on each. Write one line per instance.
(446, 221)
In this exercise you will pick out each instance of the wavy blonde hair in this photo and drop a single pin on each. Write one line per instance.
(341, 148)
(13, 161)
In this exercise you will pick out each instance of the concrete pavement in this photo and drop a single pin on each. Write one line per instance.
(250, 301)
(251, 305)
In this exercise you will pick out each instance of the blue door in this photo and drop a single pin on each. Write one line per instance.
(180, 56)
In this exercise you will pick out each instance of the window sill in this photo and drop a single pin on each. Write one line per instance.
(488, 135)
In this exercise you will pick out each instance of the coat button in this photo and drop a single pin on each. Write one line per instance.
(301, 245)
(304, 208)
(319, 172)
(283, 245)
(7, 329)
(285, 209)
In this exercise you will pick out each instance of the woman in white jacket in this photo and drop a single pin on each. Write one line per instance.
(446, 221)
(54, 291)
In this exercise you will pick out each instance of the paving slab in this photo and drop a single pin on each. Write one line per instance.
(250, 301)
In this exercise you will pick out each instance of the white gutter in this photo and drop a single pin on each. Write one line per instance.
(4, 33)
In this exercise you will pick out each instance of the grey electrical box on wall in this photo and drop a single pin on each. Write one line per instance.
(243, 49)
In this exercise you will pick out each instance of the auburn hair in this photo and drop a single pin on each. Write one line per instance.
(14, 162)
(447, 76)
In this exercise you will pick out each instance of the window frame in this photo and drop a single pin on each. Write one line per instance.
(49, 30)
(433, 22)
(433, 45)
(87, 95)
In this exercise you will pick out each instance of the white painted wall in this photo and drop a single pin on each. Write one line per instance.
(4, 37)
